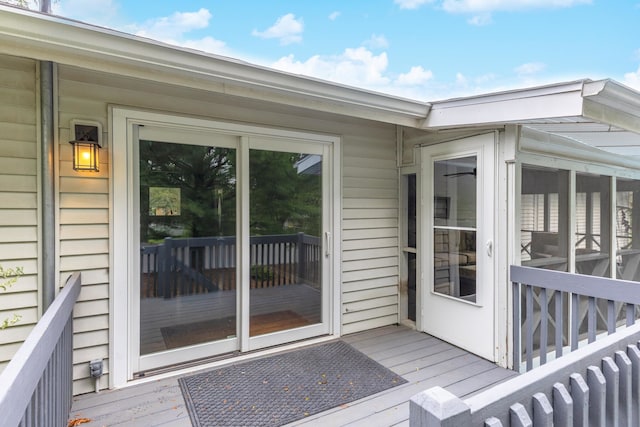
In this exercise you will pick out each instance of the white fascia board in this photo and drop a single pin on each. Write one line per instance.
(44, 37)
(518, 106)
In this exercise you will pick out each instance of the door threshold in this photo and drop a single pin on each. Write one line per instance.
(221, 361)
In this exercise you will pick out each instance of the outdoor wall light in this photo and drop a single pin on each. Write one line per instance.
(86, 145)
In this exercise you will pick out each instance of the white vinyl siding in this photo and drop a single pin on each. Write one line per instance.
(84, 239)
(19, 194)
(369, 199)
(370, 233)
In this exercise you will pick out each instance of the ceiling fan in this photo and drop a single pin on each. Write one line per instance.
(473, 172)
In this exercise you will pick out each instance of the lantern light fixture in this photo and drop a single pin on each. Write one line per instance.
(86, 145)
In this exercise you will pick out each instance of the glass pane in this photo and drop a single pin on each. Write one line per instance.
(187, 245)
(628, 235)
(286, 245)
(411, 211)
(411, 286)
(593, 224)
(543, 213)
(454, 263)
(454, 187)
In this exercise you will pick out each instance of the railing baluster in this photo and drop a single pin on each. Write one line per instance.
(562, 406)
(597, 396)
(518, 416)
(634, 357)
(544, 322)
(575, 310)
(611, 316)
(591, 319)
(516, 322)
(631, 311)
(580, 396)
(529, 325)
(559, 296)
(625, 401)
(542, 411)
(612, 376)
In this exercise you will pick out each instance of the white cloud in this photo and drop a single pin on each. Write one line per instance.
(480, 20)
(97, 12)
(530, 68)
(475, 6)
(415, 77)
(175, 25)
(461, 79)
(334, 15)
(411, 4)
(632, 79)
(355, 66)
(377, 42)
(175, 28)
(207, 44)
(287, 28)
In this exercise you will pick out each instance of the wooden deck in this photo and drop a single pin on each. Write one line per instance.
(421, 359)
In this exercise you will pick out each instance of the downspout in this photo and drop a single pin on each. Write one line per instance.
(47, 177)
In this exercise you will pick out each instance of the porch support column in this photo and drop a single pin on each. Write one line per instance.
(48, 184)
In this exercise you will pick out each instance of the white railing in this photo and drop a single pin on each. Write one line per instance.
(36, 386)
(596, 385)
(587, 326)
(554, 312)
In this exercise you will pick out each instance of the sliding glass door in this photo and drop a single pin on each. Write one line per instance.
(289, 241)
(232, 243)
(187, 227)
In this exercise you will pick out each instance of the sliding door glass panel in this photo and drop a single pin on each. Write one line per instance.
(454, 232)
(285, 195)
(544, 218)
(187, 245)
(593, 224)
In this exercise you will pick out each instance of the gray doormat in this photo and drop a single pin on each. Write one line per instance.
(279, 389)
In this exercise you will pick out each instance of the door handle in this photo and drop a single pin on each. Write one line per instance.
(489, 248)
(327, 243)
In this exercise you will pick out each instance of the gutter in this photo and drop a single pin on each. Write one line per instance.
(610, 102)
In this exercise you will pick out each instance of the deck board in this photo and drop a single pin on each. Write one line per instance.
(423, 360)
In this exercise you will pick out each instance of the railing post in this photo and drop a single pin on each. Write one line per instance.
(517, 323)
(437, 407)
(164, 267)
(302, 260)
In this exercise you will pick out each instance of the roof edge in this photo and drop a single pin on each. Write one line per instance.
(514, 106)
(615, 97)
(45, 37)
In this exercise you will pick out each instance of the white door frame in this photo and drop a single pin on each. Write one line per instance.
(449, 318)
(122, 330)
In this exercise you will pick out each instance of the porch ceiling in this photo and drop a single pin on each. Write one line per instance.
(606, 137)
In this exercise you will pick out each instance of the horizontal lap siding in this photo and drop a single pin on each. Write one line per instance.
(370, 199)
(84, 237)
(370, 232)
(19, 195)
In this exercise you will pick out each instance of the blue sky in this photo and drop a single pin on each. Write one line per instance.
(420, 49)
